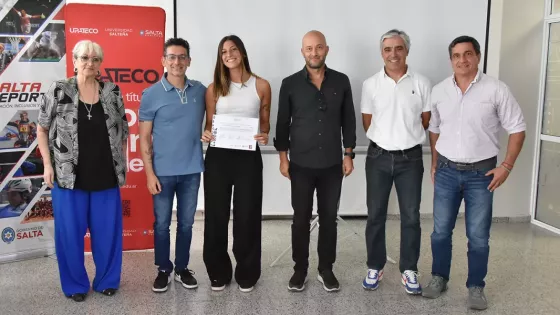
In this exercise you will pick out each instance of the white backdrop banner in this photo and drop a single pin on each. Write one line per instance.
(32, 56)
(272, 32)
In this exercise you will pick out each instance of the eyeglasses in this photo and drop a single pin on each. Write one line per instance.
(172, 57)
(85, 59)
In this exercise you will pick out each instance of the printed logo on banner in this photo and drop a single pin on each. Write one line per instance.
(151, 33)
(32, 232)
(119, 32)
(83, 30)
(27, 94)
(128, 233)
(8, 235)
(128, 75)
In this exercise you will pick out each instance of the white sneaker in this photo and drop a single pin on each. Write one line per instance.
(246, 290)
(410, 282)
(371, 282)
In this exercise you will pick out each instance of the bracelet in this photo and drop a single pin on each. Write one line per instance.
(507, 169)
(510, 166)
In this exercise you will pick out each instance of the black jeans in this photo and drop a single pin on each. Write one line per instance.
(328, 183)
(406, 171)
(225, 169)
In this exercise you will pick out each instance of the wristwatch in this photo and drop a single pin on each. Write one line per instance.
(352, 155)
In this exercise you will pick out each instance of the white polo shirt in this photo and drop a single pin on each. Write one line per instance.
(396, 109)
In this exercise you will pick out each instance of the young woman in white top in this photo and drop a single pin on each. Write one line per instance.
(235, 91)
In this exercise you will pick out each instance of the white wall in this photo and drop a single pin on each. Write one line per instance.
(274, 49)
(520, 69)
(515, 35)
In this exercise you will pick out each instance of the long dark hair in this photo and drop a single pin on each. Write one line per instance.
(222, 78)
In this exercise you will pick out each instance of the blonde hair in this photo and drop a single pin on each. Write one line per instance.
(86, 46)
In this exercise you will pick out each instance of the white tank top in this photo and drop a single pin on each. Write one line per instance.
(242, 100)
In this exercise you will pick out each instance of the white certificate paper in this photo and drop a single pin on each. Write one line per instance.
(232, 132)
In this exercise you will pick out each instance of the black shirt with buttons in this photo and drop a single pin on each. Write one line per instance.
(314, 124)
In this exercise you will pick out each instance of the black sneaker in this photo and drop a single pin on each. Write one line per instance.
(161, 284)
(186, 278)
(297, 282)
(329, 281)
(218, 285)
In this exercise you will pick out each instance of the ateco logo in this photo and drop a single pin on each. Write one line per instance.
(150, 33)
(83, 30)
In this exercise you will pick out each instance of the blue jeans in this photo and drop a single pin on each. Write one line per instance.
(186, 188)
(452, 186)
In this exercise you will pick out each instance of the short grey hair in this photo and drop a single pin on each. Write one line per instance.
(393, 33)
(86, 46)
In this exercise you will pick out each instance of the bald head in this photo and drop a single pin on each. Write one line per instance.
(313, 37)
(314, 49)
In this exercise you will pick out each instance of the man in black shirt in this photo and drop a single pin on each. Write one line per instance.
(315, 105)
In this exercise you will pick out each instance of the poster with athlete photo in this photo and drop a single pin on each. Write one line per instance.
(25, 17)
(48, 46)
(32, 57)
(32, 166)
(42, 210)
(20, 131)
(10, 46)
(16, 195)
(8, 161)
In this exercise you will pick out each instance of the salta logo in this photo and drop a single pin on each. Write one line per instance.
(8, 235)
(151, 33)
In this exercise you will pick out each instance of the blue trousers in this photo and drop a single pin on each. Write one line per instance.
(186, 189)
(74, 212)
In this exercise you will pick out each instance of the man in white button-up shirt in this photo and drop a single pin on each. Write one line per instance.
(395, 110)
(468, 110)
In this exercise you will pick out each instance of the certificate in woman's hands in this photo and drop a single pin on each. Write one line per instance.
(232, 132)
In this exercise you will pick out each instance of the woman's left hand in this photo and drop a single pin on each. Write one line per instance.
(262, 138)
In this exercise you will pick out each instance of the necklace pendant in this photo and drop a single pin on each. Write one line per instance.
(89, 116)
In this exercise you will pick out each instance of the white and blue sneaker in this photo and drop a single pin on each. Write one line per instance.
(410, 282)
(371, 282)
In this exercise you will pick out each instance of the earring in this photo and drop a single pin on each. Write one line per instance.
(98, 73)
(75, 70)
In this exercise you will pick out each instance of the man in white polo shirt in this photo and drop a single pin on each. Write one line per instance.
(396, 112)
(469, 108)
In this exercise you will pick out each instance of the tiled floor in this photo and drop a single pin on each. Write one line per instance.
(523, 279)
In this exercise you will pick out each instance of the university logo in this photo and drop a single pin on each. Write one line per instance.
(8, 235)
